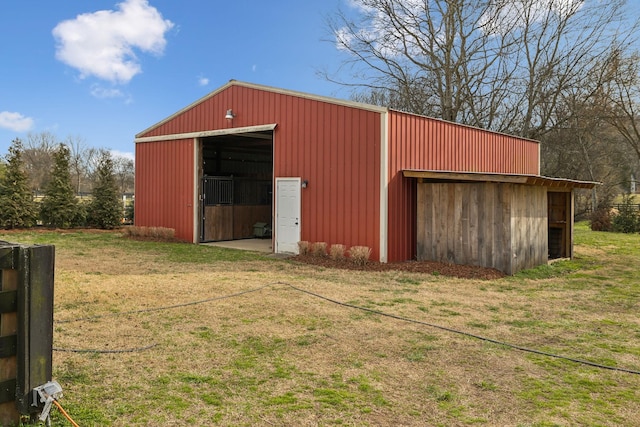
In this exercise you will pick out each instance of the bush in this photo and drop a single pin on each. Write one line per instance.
(105, 209)
(59, 206)
(160, 233)
(129, 212)
(17, 207)
(626, 221)
(337, 251)
(304, 247)
(600, 219)
(360, 254)
(319, 249)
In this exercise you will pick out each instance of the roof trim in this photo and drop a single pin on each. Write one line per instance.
(433, 175)
(304, 95)
(206, 133)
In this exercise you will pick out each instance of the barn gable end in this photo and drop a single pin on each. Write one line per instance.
(333, 146)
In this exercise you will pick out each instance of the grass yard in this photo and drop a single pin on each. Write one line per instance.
(191, 335)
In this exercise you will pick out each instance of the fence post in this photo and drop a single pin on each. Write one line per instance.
(26, 327)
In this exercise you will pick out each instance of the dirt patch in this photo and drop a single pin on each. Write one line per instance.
(427, 267)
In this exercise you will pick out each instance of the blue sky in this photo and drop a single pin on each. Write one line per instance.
(104, 70)
(157, 57)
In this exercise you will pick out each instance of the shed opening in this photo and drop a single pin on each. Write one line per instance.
(236, 185)
(559, 212)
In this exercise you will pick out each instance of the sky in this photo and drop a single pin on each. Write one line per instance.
(103, 70)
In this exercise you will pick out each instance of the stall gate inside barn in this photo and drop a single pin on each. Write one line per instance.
(232, 206)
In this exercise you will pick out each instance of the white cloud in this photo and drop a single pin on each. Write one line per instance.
(102, 92)
(344, 38)
(103, 43)
(203, 81)
(504, 18)
(123, 154)
(15, 121)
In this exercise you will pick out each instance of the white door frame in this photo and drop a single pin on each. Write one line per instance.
(298, 181)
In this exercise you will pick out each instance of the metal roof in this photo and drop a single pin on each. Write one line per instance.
(452, 176)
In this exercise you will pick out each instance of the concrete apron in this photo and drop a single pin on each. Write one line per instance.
(255, 245)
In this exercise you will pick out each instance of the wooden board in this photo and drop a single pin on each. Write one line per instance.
(9, 414)
(498, 225)
(218, 223)
(233, 222)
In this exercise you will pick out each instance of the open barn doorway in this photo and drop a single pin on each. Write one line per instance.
(560, 224)
(236, 188)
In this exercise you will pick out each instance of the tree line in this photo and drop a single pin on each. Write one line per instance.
(58, 173)
(563, 72)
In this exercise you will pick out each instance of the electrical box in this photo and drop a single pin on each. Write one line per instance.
(26, 326)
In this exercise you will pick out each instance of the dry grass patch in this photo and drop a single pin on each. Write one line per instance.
(242, 347)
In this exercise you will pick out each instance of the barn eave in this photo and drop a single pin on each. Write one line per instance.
(538, 180)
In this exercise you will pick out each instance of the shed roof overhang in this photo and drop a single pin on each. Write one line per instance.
(452, 176)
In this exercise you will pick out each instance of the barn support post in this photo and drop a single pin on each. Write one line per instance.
(26, 327)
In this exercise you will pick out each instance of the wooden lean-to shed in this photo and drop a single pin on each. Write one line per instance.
(326, 170)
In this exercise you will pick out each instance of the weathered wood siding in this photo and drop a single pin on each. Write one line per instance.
(496, 225)
(530, 243)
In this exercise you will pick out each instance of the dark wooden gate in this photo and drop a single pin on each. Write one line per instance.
(231, 206)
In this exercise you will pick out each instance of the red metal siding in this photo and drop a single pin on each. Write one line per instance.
(164, 186)
(335, 147)
(417, 142)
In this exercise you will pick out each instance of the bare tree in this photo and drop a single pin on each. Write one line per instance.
(124, 171)
(502, 65)
(38, 158)
(81, 157)
(623, 89)
(585, 146)
(82, 163)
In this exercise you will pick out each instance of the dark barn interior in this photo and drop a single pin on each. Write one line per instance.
(237, 186)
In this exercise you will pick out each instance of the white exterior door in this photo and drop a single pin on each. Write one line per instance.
(287, 215)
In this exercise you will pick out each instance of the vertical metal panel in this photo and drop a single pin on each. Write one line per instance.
(335, 147)
(417, 142)
(314, 140)
(164, 186)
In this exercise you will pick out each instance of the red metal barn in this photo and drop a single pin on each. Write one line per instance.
(326, 170)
